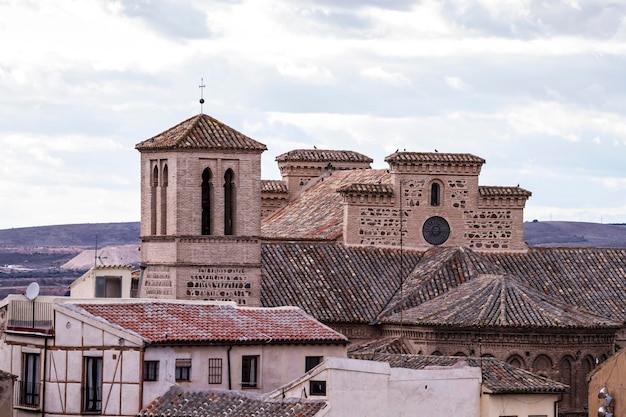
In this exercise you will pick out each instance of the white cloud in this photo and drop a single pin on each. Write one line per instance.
(311, 73)
(457, 83)
(392, 78)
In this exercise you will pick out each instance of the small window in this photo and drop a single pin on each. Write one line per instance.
(151, 370)
(317, 387)
(29, 386)
(183, 370)
(435, 194)
(92, 388)
(249, 371)
(108, 287)
(311, 362)
(215, 370)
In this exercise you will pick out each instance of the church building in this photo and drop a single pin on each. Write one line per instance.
(419, 250)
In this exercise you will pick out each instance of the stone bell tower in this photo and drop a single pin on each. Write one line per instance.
(201, 213)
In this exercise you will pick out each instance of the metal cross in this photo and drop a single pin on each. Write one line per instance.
(201, 86)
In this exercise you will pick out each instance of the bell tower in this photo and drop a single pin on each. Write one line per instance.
(201, 213)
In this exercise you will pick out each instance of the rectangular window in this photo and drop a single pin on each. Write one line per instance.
(317, 387)
(108, 287)
(29, 385)
(92, 388)
(249, 371)
(151, 370)
(183, 370)
(311, 362)
(215, 370)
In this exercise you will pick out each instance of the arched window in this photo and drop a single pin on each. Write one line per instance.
(206, 201)
(435, 194)
(516, 361)
(164, 201)
(229, 202)
(154, 183)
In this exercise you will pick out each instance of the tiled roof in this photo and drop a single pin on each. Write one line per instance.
(591, 278)
(332, 282)
(498, 301)
(179, 402)
(163, 322)
(318, 213)
(367, 189)
(498, 376)
(499, 191)
(367, 349)
(323, 155)
(274, 186)
(201, 132)
(434, 157)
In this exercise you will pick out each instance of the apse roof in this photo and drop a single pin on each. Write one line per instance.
(201, 132)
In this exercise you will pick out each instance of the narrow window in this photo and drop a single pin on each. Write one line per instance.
(153, 200)
(29, 385)
(151, 370)
(311, 362)
(206, 201)
(164, 201)
(435, 194)
(317, 387)
(215, 370)
(108, 287)
(183, 370)
(229, 202)
(249, 371)
(92, 388)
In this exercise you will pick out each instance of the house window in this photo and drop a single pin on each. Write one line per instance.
(29, 385)
(317, 387)
(311, 362)
(249, 371)
(92, 386)
(151, 370)
(108, 287)
(229, 202)
(183, 370)
(206, 201)
(215, 370)
(435, 194)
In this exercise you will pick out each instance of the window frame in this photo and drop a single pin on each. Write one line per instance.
(92, 385)
(182, 371)
(311, 362)
(215, 371)
(250, 371)
(102, 286)
(151, 370)
(30, 385)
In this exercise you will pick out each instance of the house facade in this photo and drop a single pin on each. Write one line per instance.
(94, 356)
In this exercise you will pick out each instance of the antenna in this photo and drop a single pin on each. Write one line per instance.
(201, 86)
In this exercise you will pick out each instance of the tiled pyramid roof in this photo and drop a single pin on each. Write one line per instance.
(180, 402)
(500, 191)
(163, 322)
(201, 132)
(434, 157)
(498, 301)
(318, 213)
(332, 282)
(498, 376)
(323, 155)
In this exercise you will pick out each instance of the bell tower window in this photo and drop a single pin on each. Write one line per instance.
(153, 200)
(206, 201)
(229, 202)
(164, 201)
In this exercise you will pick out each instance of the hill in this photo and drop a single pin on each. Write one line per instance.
(72, 235)
(575, 234)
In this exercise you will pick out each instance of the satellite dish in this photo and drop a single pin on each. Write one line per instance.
(32, 291)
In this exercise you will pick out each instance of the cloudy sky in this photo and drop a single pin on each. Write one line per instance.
(535, 87)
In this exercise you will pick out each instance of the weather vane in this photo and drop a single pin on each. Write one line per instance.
(201, 86)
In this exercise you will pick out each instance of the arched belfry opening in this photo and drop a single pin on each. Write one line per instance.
(154, 183)
(229, 202)
(164, 179)
(206, 201)
(435, 194)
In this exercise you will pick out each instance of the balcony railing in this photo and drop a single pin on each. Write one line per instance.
(31, 316)
(27, 394)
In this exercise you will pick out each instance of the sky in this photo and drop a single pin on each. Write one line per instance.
(536, 88)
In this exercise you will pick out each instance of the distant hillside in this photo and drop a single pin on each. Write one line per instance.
(575, 234)
(72, 235)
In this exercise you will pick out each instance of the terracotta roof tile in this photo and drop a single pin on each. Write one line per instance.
(165, 322)
(499, 191)
(433, 157)
(274, 186)
(498, 376)
(367, 349)
(201, 132)
(318, 213)
(323, 155)
(179, 402)
(332, 282)
(367, 189)
(498, 301)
